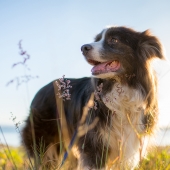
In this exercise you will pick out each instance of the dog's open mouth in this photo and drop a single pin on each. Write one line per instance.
(100, 68)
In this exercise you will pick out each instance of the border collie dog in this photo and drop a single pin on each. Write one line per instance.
(125, 88)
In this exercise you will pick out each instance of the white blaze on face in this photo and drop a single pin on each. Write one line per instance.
(97, 47)
(104, 69)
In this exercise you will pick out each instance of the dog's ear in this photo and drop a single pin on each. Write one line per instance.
(149, 46)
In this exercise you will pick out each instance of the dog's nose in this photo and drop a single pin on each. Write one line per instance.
(85, 48)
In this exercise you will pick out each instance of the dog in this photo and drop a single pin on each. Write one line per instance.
(125, 104)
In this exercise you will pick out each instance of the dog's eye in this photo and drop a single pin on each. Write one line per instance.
(112, 40)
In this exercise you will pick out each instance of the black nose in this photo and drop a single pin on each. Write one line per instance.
(85, 48)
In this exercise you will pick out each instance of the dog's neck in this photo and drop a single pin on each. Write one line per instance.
(123, 98)
(119, 98)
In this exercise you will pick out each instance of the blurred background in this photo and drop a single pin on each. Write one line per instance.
(52, 33)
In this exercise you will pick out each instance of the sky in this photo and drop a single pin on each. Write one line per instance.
(52, 33)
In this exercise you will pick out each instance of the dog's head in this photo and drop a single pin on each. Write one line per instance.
(121, 51)
(124, 55)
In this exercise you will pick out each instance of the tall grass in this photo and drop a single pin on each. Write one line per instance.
(157, 159)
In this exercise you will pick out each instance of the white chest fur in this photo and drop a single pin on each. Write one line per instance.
(123, 135)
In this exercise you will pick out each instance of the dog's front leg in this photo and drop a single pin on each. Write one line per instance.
(82, 167)
(93, 154)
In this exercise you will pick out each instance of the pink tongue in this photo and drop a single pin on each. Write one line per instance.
(105, 67)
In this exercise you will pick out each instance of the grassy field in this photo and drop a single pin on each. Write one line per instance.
(13, 158)
(157, 159)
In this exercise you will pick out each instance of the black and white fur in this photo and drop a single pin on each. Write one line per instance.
(127, 109)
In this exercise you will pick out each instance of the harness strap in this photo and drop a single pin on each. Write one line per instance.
(69, 142)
